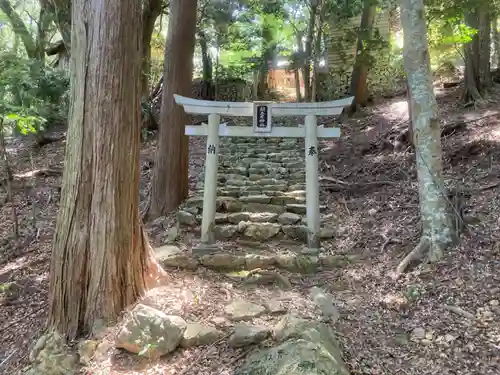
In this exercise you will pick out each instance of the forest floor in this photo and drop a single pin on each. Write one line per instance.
(442, 318)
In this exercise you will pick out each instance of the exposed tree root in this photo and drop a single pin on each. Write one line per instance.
(416, 254)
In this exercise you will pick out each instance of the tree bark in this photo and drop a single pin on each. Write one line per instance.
(170, 178)
(306, 69)
(472, 62)
(151, 11)
(484, 47)
(317, 55)
(20, 30)
(360, 72)
(496, 41)
(61, 10)
(205, 56)
(437, 228)
(101, 259)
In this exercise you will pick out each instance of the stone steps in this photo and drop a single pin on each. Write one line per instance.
(261, 191)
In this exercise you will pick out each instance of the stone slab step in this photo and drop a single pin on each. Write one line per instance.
(172, 256)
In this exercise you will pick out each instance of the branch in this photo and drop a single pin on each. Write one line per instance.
(19, 28)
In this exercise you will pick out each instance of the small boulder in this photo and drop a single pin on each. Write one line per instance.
(289, 218)
(306, 348)
(245, 335)
(199, 334)
(243, 310)
(262, 231)
(150, 332)
(186, 218)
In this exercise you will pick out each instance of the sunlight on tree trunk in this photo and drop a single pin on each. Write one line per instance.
(484, 47)
(205, 57)
(471, 51)
(151, 11)
(170, 179)
(101, 259)
(359, 76)
(437, 227)
(496, 41)
(61, 12)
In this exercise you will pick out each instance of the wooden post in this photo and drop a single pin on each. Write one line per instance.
(210, 188)
(312, 182)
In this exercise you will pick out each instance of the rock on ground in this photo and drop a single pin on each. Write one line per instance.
(150, 331)
(199, 334)
(242, 310)
(245, 334)
(306, 348)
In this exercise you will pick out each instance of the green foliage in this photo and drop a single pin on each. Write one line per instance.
(32, 95)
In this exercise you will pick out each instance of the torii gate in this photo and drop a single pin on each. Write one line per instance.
(262, 113)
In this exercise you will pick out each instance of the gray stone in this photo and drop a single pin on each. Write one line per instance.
(224, 231)
(236, 217)
(245, 335)
(284, 199)
(300, 209)
(254, 261)
(255, 199)
(223, 261)
(259, 207)
(221, 218)
(325, 304)
(186, 218)
(296, 231)
(262, 231)
(275, 307)
(230, 204)
(306, 348)
(199, 334)
(263, 217)
(196, 202)
(243, 310)
(288, 218)
(172, 256)
(150, 331)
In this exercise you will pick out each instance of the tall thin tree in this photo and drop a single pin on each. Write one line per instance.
(437, 224)
(170, 178)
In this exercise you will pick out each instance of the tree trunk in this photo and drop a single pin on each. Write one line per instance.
(267, 56)
(472, 62)
(296, 77)
(496, 42)
(20, 30)
(151, 11)
(205, 56)
(361, 66)
(306, 69)
(61, 11)
(317, 56)
(101, 260)
(484, 47)
(437, 228)
(170, 179)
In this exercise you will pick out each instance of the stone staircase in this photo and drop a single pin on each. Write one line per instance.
(261, 191)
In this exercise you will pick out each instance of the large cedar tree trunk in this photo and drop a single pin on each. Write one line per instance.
(170, 179)
(360, 72)
(151, 11)
(101, 260)
(437, 227)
